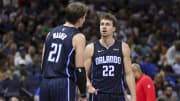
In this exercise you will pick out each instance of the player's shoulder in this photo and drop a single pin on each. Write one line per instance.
(125, 49)
(124, 45)
(89, 50)
(90, 45)
(79, 36)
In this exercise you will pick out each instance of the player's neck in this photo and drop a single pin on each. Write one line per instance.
(71, 25)
(107, 42)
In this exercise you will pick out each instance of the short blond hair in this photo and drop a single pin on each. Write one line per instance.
(109, 16)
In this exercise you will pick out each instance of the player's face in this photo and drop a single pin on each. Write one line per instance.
(106, 27)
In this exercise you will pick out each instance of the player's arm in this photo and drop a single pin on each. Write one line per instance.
(128, 71)
(79, 42)
(43, 52)
(42, 56)
(149, 90)
(89, 50)
(36, 96)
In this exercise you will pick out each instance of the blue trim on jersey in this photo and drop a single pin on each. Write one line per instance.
(122, 84)
(57, 82)
(122, 81)
(92, 97)
(75, 93)
(67, 71)
(68, 90)
(92, 79)
(38, 91)
(92, 72)
(75, 78)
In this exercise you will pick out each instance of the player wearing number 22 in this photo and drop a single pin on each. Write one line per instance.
(63, 65)
(107, 61)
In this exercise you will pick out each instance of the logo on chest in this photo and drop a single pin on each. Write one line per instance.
(115, 49)
(99, 51)
(108, 59)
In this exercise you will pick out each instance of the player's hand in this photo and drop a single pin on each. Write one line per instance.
(36, 98)
(92, 90)
(82, 99)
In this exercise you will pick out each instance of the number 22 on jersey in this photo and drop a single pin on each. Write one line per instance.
(108, 70)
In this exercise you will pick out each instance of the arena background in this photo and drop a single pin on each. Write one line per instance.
(150, 27)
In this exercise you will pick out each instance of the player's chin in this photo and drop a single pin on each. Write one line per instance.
(104, 34)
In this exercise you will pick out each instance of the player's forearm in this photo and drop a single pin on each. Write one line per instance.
(42, 56)
(88, 80)
(131, 84)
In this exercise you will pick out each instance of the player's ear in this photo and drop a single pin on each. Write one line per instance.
(114, 28)
(79, 20)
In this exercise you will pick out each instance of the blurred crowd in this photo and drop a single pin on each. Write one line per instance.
(151, 29)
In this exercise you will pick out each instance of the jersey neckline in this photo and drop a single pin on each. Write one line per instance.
(105, 47)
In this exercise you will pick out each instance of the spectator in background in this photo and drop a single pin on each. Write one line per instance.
(11, 67)
(134, 58)
(176, 66)
(31, 52)
(4, 68)
(22, 56)
(168, 94)
(157, 50)
(22, 68)
(21, 35)
(148, 67)
(144, 48)
(145, 89)
(37, 35)
(168, 80)
(30, 27)
(172, 52)
(13, 48)
(5, 44)
(159, 83)
(33, 70)
(162, 61)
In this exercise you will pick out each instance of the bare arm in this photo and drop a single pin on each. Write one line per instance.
(42, 56)
(88, 60)
(43, 52)
(128, 71)
(79, 42)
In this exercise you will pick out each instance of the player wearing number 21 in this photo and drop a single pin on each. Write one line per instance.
(63, 58)
(108, 61)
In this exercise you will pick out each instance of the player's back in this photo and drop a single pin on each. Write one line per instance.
(58, 58)
(107, 68)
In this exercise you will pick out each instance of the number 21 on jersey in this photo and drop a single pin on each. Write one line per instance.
(55, 52)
